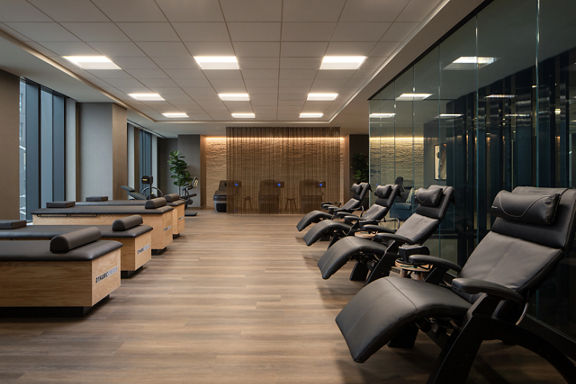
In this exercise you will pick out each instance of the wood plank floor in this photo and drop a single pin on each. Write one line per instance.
(237, 299)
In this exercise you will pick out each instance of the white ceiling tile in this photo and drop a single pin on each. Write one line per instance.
(360, 31)
(260, 73)
(117, 49)
(258, 63)
(70, 10)
(252, 10)
(418, 10)
(268, 101)
(339, 48)
(261, 83)
(303, 49)
(193, 82)
(166, 49)
(157, 82)
(304, 74)
(18, 10)
(180, 74)
(111, 74)
(210, 49)
(307, 31)
(261, 92)
(254, 31)
(200, 91)
(149, 31)
(135, 63)
(300, 63)
(96, 31)
(12, 32)
(257, 49)
(399, 31)
(176, 62)
(312, 10)
(130, 10)
(228, 85)
(186, 10)
(148, 73)
(372, 10)
(129, 85)
(223, 75)
(43, 31)
(328, 85)
(202, 31)
(302, 83)
(383, 49)
(238, 105)
(70, 48)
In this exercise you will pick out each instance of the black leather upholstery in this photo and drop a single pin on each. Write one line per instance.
(155, 203)
(72, 240)
(39, 250)
(170, 197)
(539, 209)
(36, 232)
(418, 228)
(438, 211)
(428, 197)
(80, 210)
(97, 198)
(342, 250)
(12, 224)
(127, 222)
(312, 217)
(385, 306)
(60, 204)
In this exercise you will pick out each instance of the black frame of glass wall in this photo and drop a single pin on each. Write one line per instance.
(497, 111)
(43, 146)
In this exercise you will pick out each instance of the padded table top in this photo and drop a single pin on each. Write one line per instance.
(125, 202)
(102, 210)
(39, 250)
(49, 231)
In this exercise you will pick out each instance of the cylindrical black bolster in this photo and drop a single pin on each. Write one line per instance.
(97, 198)
(126, 223)
(71, 240)
(155, 203)
(60, 204)
(12, 224)
(170, 197)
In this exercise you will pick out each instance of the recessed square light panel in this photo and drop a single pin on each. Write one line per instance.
(92, 62)
(217, 62)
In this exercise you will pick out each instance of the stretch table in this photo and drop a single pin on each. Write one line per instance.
(160, 219)
(136, 242)
(33, 276)
(179, 213)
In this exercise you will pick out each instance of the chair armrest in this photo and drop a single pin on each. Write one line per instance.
(405, 251)
(368, 222)
(435, 261)
(342, 214)
(473, 286)
(351, 218)
(380, 237)
(345, 211)
(376, 228)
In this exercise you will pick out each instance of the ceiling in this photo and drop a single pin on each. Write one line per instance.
(279, 45)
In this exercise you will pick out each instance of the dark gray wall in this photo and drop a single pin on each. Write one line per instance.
(189, 146)
(358, 144)
(165, 183)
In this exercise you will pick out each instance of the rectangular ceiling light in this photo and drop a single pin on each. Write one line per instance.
(413, 96)
(315, 96)
(146, 96)
(449, 115)
(342, 62)
(217, 62)
(243, 115)
(470, 62)
(383, 115)
(92, 62)
(500, 96)
(234, 96)
(175, 115)
(311, 115)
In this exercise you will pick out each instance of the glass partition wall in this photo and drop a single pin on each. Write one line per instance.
(489, 107)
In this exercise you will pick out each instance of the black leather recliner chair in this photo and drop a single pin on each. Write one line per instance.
(534, 228)
(433, 203)
(224, 196)
(349, 223)
(359, 191)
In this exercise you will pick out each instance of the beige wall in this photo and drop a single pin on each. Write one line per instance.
(213, 167)
(9, 144)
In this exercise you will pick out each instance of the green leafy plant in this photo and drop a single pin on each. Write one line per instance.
(359, 165)
(179, 170)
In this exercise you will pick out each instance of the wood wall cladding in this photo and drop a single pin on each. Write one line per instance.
(281, 170)
(213, 167)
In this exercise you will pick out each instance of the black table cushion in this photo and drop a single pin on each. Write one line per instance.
(60, 204)
(12, 224)
(68, 241)
(126, 223)
(102, 210)
(49, 231)
(39, 250)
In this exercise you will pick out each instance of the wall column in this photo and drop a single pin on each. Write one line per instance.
(9, 146)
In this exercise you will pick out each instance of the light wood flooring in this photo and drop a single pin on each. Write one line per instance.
(237, 299)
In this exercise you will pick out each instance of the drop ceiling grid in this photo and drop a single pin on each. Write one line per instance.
(284, 41)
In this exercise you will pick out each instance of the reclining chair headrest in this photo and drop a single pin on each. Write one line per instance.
(170, 197)
(359, 190)
(539, 215)
(12, 224)
(382, 191)
(71, 240)
(386, 194)
(126, 223)
(155, 203)
(434, 200)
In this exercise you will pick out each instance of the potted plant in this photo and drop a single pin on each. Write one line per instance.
(179, 171)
